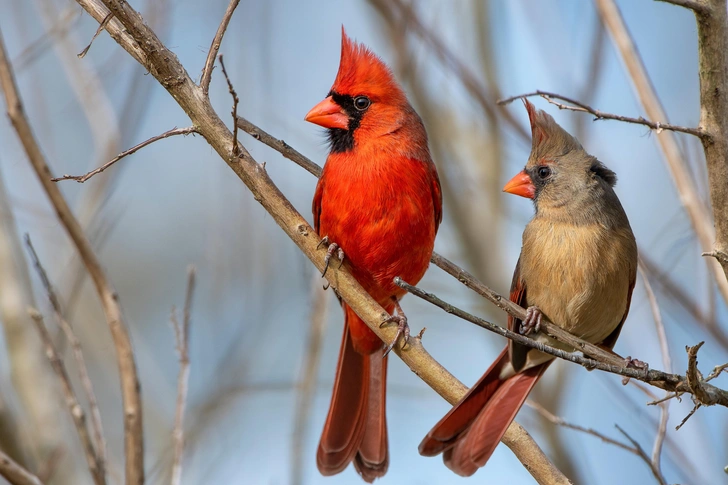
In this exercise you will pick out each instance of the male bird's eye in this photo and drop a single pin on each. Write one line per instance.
(361, 103)
(544, 172)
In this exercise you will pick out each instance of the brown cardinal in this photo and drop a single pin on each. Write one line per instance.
(378, 206)
(577, 267)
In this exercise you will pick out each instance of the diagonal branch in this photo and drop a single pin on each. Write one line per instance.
(708, 394)
(74, 407)
(82, 178)
(166, 68)
(130, 387)
(16, 474)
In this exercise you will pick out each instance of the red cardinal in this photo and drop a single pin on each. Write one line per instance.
(577, 266)
(378, 205)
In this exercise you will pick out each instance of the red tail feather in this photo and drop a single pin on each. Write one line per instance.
(356, 426)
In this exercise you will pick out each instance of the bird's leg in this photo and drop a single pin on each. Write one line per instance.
(402, 327)
(532, 322)
(332, 248)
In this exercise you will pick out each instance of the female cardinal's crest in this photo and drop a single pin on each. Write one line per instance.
(361, 71)
(547, 137)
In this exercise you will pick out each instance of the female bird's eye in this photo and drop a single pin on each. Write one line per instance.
(361, 103)
(544, 172)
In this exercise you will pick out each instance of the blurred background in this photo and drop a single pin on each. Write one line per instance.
(265, 337)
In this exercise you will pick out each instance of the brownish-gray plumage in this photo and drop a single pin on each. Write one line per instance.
(577, 267)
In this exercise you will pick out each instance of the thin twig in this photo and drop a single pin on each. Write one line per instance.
(82, 178)
(717, 371)
(182, 343)
(215, 47)
(696, 5)
(236, 100)
(601, 115)
(690, 414)
(83, 53)
(559, 421)
(74, 407)
(130, 387)
(16, 474)
(641, 453)
(96, 423)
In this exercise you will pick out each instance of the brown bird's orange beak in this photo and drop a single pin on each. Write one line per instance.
(329, 115)
(521, 185)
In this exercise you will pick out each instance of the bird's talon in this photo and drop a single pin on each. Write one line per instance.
(333, 248)
(324, 241)
(532, 322)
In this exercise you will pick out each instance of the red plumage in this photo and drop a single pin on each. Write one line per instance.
(378, 199)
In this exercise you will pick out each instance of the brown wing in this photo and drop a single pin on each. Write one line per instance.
(612, 338)
(517, 352)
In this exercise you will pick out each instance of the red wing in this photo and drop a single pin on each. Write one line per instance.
(436, 197)
(517, 352)
(316, 205)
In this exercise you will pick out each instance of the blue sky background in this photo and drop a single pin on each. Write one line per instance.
(176, 203)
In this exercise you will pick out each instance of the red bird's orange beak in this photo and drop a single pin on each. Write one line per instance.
(521, 185)
(329, 115)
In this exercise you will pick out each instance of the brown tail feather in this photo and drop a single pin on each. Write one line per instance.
(470, 432)
(356, 426)
(445, 433)
(474, 449)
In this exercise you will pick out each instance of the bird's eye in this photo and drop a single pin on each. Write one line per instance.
(361, 103)
(544, 172)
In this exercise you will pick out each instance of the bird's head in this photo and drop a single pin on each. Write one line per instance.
(559, 171)
(365, 101)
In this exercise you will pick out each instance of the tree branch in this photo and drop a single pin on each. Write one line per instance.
(82, 178)
(696, 5)
(707, 395)
(74, 407)
(601, 115)
(96, 424)
(16, 474)
(130, 388)
(215, 47)
(712, 231)
(166, 68)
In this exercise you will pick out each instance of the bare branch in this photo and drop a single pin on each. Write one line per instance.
(215, 47)
(82, 178)
(130, 388)
(182, 339)
(74, 408)
(690, 414)
(641, 453)
(280, 146)
(712, 232)
(696, 5)
(96, 424)
(578, 106)
(670, 382)
(16, 474)
(133, 34)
